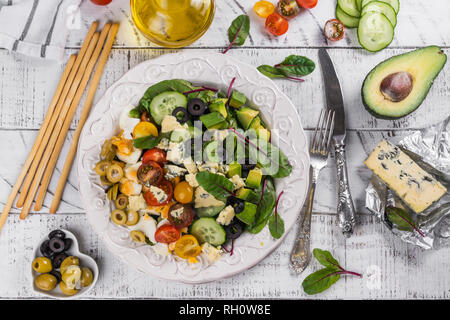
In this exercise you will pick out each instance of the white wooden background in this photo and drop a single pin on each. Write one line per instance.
(403, 271)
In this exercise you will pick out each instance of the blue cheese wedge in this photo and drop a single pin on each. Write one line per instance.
(174, 171)
(158, 193)
(205, 199)
(225, 216)
(413, 185)
(175, 153)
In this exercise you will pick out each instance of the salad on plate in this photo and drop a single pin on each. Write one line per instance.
(191, 170)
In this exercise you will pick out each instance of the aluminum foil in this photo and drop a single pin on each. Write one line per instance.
(430, 148)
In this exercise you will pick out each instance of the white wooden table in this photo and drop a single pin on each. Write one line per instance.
(404, 271)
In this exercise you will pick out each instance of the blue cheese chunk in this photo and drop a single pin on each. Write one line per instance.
(413, 185)
(170, 123)
(237, 181)
(204, 199)
(137, 203)
(192, 180)
(190, 165)
(175, 152)
(174, 171)
(212, 167)
(225, 216)
(163, 144)
(176, 213)
(212, 253)
(158, 193)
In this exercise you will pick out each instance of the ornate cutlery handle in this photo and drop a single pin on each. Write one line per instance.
(345, 208)
(301, 254)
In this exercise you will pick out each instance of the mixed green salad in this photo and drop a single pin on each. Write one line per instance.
(192, 169)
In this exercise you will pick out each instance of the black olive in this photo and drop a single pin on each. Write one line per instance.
(56, 245)
(57, 260)
(57, 275)
(185, 116)
(237, 204)
(45, 249)
(57, 234)
(244, 174)
(248, 166)
(196, 107)
(234, 230)
(67, 244)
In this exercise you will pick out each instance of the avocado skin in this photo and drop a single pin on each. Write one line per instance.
(424, 90)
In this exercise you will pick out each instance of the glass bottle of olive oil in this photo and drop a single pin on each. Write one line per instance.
(172, 23)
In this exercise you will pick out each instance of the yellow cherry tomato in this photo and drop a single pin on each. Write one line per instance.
(264, 8)
(187, 247)
(183, 192)
(144, 129)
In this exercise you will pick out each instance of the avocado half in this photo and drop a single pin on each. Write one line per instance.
(397, 86)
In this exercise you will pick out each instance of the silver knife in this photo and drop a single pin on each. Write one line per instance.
(334, 100)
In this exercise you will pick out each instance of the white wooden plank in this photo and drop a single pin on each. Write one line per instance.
(415, 21)
(404, 271)
(26, 87)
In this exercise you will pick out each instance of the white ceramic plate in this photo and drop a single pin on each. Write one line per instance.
(85, 261)
(215, 70)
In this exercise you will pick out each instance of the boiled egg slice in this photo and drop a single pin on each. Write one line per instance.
(126, 123)
(131, 171)
(131, 158)
(147, 225)
(129, 187)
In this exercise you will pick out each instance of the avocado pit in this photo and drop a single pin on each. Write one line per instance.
(397, 86)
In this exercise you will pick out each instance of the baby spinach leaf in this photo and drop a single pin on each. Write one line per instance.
(326, 259)
(206, 95)
(276, 225)
(219, 186)
(178, 85)
(147, 142)
(296, 65)
(238, 31)
(402, 219)
(270, 71)
(320, 280)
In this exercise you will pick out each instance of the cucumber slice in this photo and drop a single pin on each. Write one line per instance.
(395, 4)
(349, 7)
(209, 211)
(347, 20)
(359, 5)
(375, 31)
(382, 7)
(164, 103)
(208, 230)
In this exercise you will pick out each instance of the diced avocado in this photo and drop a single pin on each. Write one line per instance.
(256, 123)
(211, 151)
(219, 106)
(247, 216)
(213, 120)
(254, 178)
(263, 133)
(209, 211)
(247, 195)
(245, 116)
(237, 99)
(234, 168)
(397, 86)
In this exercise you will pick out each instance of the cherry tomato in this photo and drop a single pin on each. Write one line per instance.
(264, 8)
(150, 173)
(187, 247)
(181, 215)
(276, 24)
(334, 30)
(101, 2)
(166, 186)
(183, 192)
(167, 234)
(288, 9)
(307, 4)
(144, 129)
(154, 154)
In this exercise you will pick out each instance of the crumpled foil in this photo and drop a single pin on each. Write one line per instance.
(430, 149)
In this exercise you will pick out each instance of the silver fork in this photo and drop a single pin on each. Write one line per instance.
(320, 144)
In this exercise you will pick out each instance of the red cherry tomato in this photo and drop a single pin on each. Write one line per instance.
(165, 186)
(167, 234)
(101, 2)
(182, 219)
(288, 9)
(156, 155)
(307, 4)
(334, 30)
(276, 24)
(150, 173)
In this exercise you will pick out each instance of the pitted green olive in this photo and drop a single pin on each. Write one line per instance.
(46, 282)
(87, 277)
(42, 265)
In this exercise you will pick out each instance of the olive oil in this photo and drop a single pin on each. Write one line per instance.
(172, 23)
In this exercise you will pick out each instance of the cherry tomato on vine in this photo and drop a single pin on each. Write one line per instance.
(288, 9)
(307, 4)
(334, 30)
(276, 24)
(167, 234)
(264, 8)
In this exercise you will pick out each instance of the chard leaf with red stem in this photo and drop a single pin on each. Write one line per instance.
(219, 186)
(238, 31)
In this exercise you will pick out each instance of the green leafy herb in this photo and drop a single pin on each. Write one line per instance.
(146, 142)
(270, 71)
(219, 186)
(322, 279)
(135, 112)
(266, 204)
(178, 85)
(238, 31)
(147, 241)
(402, 219)
(292, 67)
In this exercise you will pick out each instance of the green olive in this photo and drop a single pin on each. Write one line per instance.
(66, 290)
(101, 166)
(119, 217)
(87, 277)
(121, 201)
(137, 236)
(120, 163)
(42, 265)
(108, 150)
(105, 181)
(133, 218)
(112, 192)
(46, 282)
(71, 276)
(69, 261)
(114, 173)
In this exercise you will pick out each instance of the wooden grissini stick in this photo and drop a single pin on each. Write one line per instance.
(86, 109)
(51, 125)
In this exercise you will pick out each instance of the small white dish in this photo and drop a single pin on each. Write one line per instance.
(85, 261)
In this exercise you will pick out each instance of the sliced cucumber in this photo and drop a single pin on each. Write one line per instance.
(359, 5)
(349, 7)
(347, 20)
(208, 230)
(382, 7)
(395, 4)
(164, 103)
(375, 31)
(209, 211)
